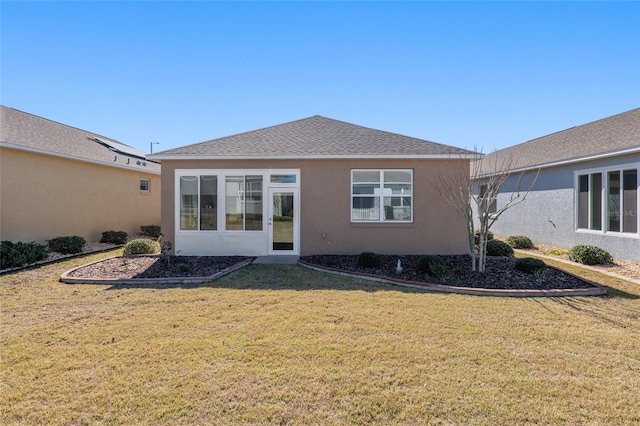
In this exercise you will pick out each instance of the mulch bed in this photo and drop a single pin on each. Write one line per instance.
(127, 267)
(500, 272)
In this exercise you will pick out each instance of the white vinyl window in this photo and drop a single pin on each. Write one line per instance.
(144, 185)
(381, 195)
(607, 200)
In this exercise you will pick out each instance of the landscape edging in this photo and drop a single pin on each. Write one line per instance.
(597, 290)
(65, 278)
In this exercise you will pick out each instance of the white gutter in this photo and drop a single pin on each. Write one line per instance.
(75, 158)
(159, 157)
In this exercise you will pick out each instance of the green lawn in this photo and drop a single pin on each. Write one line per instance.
(286, 345)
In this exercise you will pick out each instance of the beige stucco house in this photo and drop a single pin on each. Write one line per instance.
(311, 186)
(58, 180)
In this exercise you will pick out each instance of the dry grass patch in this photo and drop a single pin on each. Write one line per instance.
(287, 345)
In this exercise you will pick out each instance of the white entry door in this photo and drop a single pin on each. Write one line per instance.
(284, 221)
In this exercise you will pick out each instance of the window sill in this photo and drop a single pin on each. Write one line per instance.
(382, 224)
(608, 233)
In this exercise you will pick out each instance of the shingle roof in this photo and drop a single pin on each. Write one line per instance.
(313, 137)
(608, 136)
(22, 130)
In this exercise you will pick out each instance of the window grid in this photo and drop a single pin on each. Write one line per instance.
(381, 195)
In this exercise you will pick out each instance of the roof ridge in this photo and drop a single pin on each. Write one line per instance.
(241, 133)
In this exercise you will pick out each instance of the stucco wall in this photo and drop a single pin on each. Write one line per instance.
(325, 207)
(547, 216)
(42, 197)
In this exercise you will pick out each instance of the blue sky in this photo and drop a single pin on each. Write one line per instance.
(485, 74)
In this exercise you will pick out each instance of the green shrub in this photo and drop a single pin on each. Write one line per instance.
(498, 248)
(432, 265)
(589, 255)
(67, 245)
(519, 242)
(477, 237)
(369, 260)
(151, 230)
(141, 246)
(114, 237)
(530, 265)
(14, 255)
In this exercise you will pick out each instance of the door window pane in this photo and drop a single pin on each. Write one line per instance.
(630, 201)
(208, 203)
(283, 220)
(189, 203)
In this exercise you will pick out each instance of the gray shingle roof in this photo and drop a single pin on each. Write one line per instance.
(311, 137)
(22, 130)
(618, 133)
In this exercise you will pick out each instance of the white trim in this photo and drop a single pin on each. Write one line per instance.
(603, 200)
(295, 190)
(631, 150)
(315, 157)
(380, 195)
(77, 158)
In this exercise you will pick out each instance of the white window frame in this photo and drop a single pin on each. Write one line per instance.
(604, 201)
(148, 185)
(381, 195)
(222, 175)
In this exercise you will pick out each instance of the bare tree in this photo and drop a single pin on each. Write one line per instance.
(476, 187)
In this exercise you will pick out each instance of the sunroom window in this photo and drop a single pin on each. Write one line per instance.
(381, 195)
(243, 203)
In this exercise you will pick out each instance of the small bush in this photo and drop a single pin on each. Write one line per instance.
(498, 248)
(477, 237)
(589, 255)
(519, 242)
(114, 237)
(151, 230)
(432, 265)
(369, 260)
(530, 265)
(141, 246)
(67, 245)
(14, 255)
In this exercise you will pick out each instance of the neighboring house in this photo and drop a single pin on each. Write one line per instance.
(311, 186)
(587, 190)
(57, 180)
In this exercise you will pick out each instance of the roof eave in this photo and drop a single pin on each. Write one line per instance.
(466, 156)
(617, 153)
(4, 144)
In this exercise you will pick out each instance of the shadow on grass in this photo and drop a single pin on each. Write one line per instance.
(279, 277)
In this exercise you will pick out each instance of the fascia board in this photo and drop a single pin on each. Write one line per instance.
(632, 150)
(160, 157)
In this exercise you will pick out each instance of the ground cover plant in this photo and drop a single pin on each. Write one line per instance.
(273, 344)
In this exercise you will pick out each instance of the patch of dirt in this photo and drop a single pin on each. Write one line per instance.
(124, 267)
(625, 269)
(500, 272)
